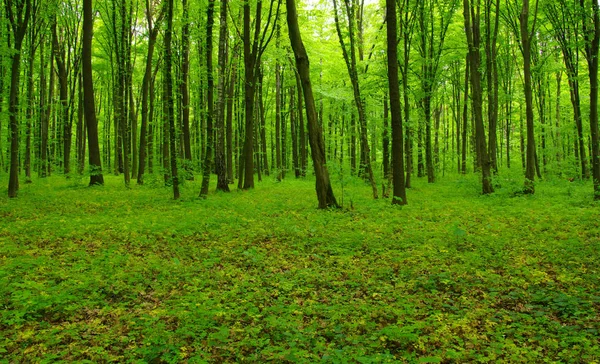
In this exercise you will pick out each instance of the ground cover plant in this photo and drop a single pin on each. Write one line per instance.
(108, 274)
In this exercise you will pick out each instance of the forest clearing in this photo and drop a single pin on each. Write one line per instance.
(104, 274)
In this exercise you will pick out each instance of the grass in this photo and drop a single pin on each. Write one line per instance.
(107, 274)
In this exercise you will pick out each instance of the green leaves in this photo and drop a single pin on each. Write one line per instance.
(131, 276)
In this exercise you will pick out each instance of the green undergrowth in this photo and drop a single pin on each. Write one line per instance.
(109, 274)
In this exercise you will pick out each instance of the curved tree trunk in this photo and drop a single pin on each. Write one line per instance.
(317, 144)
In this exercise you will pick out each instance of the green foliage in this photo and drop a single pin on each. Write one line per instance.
(110, 274)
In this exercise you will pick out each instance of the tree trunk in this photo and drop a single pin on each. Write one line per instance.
(81, 131)
(472, 30)
(325, 194)
(229, 119)
(169, 98)
(350, 60)
(153, 34)
(206, 168)
(185, 93)
(294, 131)
(278, 165)
(399, 193)
(526, 47)
(59, 57)
(249, 91)
(491, 67)
(386, 141)
(19, 28)
(220, 164)
(30, 104)
(89, 107)
(592, 45)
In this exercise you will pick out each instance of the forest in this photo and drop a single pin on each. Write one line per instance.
(161, 161)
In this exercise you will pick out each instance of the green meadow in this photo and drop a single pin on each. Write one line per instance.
(109, 274)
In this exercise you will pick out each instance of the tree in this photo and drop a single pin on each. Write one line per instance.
(206, 167)
(168, 85)
(432, 36)
(591, 33)
(89, 105)
(184, 89)
(153, 28)
(19, 12)
(491, 71)
(524, 34)
(472, 29)
(349, 53)
(220, 163)
(526, 50)
(399, 193)
(566, 30)
(253, 51)
(325, 194)
(406, 25)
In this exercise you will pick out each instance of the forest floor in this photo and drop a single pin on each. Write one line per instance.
(109, 274)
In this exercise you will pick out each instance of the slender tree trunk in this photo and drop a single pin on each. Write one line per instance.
(325, 194)
(184, 89)
(399, 193)
(89, 107)
(301, 128)
(263, 128)
(153, 34)
(491, 66)
(350, 60)
(64, 102)
(13, 182)
(30, 104)
(472, 30)
(169, 98)
(220, 164)
(81, 130)
(592, 37)
(409, 127)
(43, 105)
(386, 142)
(526, 47)
(19, 27)
(210, 95)
(294, 131)
(229, 120)
(249, 91)
(278, 165)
